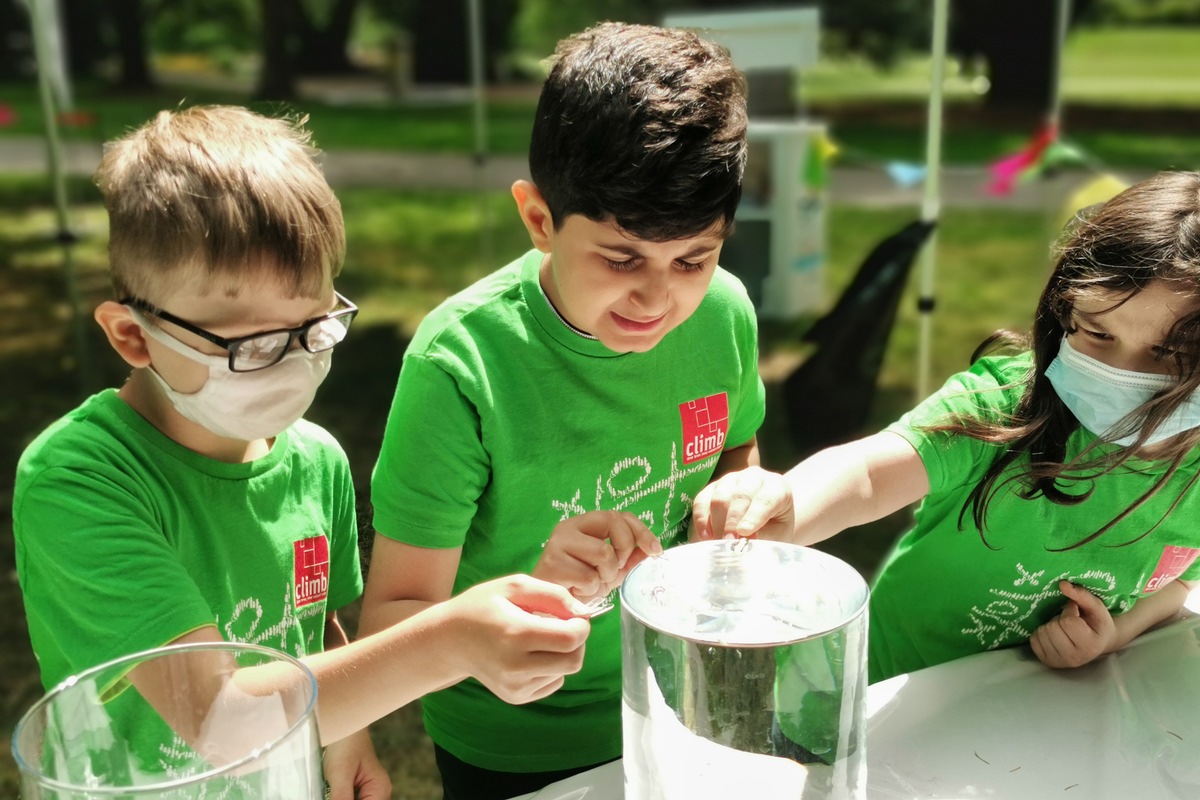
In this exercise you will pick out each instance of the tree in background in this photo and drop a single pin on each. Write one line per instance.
(539, 24)
(129, 28)
(277, 34)
(221, 30)
(16, 42)
(1014, 39)
(303, 39)
(1018, 40)
(324, 37)
(86, 36)
(441, 44)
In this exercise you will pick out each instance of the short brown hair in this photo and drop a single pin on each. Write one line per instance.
(214, 192)
(642, 125)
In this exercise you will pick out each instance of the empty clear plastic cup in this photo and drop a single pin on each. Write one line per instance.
(744, 674)
(220, 720)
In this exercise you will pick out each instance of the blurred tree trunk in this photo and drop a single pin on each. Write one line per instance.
(277, 80)
(129, 23)
(1018, 39)
(323, 49)
(82, 21)
(16, 48)
(441, 41)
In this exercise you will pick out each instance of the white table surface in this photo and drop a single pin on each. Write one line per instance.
(1001, 725)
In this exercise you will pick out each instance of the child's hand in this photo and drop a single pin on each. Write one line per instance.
(592, 553)
(519, 636)
(1081, 633)
(749, 502)
(353, 771)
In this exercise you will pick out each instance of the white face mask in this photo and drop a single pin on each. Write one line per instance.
(1101, 397)
(244, 405)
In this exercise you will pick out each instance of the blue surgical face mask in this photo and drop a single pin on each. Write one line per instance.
(1101, 397)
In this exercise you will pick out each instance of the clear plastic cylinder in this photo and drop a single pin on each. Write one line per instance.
(230, 721)
(744, 674)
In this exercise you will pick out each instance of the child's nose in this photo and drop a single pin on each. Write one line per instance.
(651, 294)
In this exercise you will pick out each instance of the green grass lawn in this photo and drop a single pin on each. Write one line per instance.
(1129, 93)
(1130, 67)
(426, 127)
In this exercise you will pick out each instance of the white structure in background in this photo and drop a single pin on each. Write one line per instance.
(778, 248)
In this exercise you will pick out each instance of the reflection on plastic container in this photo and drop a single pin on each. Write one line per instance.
(744, 674)
(230, 721)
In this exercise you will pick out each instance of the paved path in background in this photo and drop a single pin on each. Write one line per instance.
(961, 187)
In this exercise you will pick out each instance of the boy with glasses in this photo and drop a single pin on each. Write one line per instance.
(193, 504)
(558, 417)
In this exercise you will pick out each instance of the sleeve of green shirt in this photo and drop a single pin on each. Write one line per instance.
(954, 460)
(748, 416)
(346, 583)
(99, 579)
(432, 466)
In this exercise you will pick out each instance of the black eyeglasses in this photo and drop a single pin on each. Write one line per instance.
(261, 350)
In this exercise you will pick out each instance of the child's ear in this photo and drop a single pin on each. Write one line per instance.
(535, 214)
(123, 332)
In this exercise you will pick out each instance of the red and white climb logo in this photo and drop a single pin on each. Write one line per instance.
(312, 570)
(1175, 560)
(705, 425)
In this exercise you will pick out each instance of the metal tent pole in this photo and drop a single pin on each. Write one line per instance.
(931, 204)
(479, 103)
(1062, 22)
(48, 53)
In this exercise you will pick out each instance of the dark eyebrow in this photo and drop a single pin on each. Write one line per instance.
(699, 250)
(624, 250)
(633, 252)
(1088, 317)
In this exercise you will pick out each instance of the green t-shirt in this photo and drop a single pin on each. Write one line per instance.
(943, 593)
(505, 422)
(126, 540)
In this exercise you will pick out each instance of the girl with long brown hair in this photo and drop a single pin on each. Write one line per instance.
(1056, 479)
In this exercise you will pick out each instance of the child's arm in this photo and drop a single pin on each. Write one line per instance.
(404, 579)
(737, 458)
(830, 491)
(517, 635)
(1085, 630)
(351, 767)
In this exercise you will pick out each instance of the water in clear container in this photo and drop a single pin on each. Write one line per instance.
(744, 674)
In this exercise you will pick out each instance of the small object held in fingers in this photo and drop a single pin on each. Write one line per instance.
(598, 606)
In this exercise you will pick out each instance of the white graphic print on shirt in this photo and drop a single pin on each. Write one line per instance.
(1012, 616)
(629, 482)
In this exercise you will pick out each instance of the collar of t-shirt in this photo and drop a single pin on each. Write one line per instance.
(550, 320)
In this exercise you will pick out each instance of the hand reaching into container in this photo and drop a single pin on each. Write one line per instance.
(590, 554)
(749, 502)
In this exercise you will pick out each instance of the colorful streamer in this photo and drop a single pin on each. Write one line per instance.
(1011, 170)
